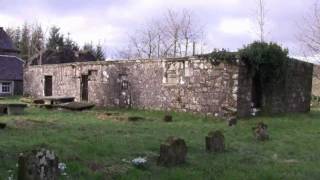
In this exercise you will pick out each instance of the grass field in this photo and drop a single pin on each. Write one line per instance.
(95, 145)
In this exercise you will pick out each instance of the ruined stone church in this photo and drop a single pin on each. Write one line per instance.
(191, 84)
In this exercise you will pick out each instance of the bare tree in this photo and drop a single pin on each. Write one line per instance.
(310, 33)
(191, 31)
(169, 36)
(261, 19)
(309, 36)
(173, 27)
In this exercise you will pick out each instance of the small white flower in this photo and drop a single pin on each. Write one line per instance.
(62, 167)
(139, 161)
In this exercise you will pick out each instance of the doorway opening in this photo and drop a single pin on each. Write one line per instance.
(47, 85)
(256, 92)
(84, 88)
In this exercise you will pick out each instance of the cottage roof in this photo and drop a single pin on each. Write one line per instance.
(11, 68)
(6, 44)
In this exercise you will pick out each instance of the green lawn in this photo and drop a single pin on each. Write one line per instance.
(95, 146)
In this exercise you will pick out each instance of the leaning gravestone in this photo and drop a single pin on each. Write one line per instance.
(173, 152)
(215, 142)
(261, 132)
(38, 165)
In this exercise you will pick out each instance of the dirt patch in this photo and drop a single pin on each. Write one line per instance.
(109, 171)
(111, 116)
(103, 116)
(28, 123)
(23, 123)
(96, 167)
(115, 170)
(119, 117)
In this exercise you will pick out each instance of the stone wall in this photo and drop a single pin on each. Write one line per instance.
(244, 92)
(316, 81)
(186, 84)
(298, 86)
(292, 93)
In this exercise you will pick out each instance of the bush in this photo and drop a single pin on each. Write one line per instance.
(269, 60)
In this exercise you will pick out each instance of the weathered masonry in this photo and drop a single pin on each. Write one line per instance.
(183, 84)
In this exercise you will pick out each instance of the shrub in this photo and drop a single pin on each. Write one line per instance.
(269, 60)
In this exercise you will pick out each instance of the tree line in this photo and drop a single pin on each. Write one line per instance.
(31, 40)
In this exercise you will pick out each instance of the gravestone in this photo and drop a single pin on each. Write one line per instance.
(16, 109)
(38, 165)
(3, 109)
(173, 152)
(215, 142)
(167, 118)
(232, 121)
(261, 132)
(3, 125)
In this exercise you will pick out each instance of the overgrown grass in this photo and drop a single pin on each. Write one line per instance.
(97, 146)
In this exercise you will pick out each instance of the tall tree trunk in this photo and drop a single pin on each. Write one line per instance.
(193, 48)
(187, 46)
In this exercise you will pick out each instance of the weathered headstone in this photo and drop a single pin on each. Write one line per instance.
(167, 118)
(232, 121)
(3, 109)
(16, 109)
(261, 132)
(38, 165)
(3, 125)
(173, 152)
(215, 142)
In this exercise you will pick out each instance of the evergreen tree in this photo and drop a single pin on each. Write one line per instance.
(70, 44)
(56, 40)
(87, 47)
(99, 53)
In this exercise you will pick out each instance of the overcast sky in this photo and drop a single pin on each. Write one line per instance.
(229, 23)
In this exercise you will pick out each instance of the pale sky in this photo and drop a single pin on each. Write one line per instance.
(228, 23)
